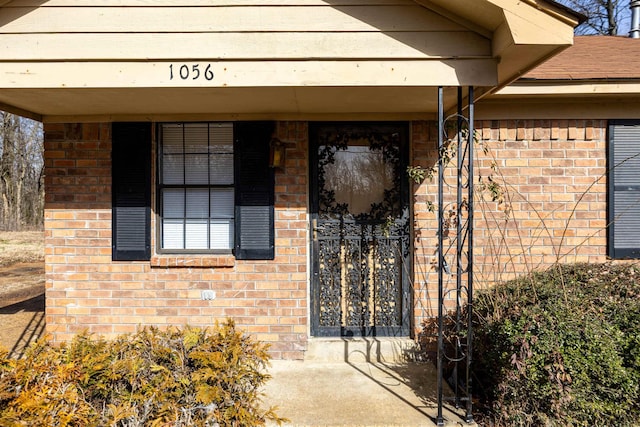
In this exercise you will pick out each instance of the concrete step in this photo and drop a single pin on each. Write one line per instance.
(341, 394)
(359, 350)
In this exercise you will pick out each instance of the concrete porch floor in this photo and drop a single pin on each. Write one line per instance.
(372, 394)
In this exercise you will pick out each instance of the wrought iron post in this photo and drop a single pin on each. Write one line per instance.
(455, 300)
(440, 367)
(470, 205)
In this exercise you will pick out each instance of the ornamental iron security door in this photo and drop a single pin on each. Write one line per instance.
(360, 221)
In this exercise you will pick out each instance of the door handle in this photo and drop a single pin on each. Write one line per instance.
(315, 228)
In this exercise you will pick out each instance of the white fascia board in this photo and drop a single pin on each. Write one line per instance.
(573, 88)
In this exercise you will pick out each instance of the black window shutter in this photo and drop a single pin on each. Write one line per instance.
(254, 187)
(131, 202)
(624, 189)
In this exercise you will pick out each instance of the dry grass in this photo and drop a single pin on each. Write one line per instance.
(21, 246)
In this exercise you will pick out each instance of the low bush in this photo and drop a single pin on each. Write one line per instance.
(174, 377)
(561, 347)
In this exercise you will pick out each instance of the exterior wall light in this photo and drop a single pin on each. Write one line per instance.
(277, 153)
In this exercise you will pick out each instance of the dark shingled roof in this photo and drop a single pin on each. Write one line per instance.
(593, 58)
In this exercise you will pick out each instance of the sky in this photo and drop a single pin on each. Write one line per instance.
(625, 23)
(625, 19)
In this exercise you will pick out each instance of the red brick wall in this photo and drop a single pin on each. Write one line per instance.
(87, 291)
(553, 173)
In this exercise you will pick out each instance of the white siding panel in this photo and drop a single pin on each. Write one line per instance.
(156, 3)
(227, 46)
(479, 72)
(114, 57)
(223, 19)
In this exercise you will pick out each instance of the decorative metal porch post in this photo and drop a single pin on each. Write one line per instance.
(455, 285)
(440, 368)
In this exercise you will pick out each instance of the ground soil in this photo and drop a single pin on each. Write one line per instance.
(22, 324)
(21, 290)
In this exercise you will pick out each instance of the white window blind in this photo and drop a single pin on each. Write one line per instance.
(196, 186)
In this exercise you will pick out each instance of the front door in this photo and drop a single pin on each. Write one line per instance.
(360, 229)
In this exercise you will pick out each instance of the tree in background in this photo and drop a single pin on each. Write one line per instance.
(21, 173)
(604, 17)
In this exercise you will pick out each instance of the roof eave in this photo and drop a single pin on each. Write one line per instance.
(524, 34)
(569, 88)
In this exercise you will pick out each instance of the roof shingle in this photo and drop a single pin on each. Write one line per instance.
(593, 57)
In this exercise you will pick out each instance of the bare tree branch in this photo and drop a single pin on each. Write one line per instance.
(604, 17)
(21, 163)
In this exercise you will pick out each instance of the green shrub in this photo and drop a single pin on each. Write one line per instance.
(561, 347)
(175, 377)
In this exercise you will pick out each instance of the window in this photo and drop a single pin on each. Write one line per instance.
(196, 186)
(624, 189)
(214, 189)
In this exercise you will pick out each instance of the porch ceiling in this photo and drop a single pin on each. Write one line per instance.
(383, 59)
(251, 103)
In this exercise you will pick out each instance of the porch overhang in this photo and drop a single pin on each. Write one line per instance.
(311, 89)
(597, 78)
(384, 60)
(563, 100)
(523, 33)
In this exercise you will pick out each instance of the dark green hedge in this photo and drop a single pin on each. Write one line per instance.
(561, 347)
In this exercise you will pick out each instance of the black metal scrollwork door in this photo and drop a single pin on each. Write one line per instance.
(360, 226)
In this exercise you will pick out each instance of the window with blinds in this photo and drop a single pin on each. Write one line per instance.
(196, 186)
(624, 189)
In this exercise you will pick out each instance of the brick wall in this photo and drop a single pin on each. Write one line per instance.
(554, 207)
(553, 173)
(87, 291)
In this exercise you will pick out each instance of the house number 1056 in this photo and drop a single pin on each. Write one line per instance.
(193, 72)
